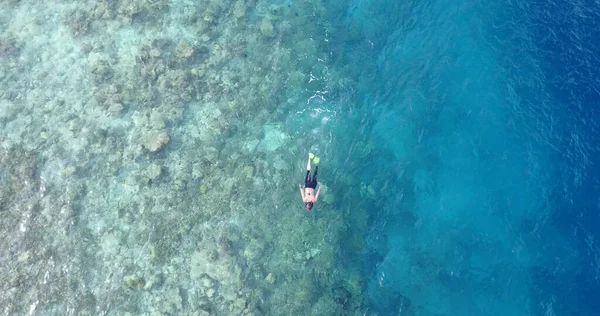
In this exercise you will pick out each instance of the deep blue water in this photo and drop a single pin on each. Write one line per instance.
(476, 125)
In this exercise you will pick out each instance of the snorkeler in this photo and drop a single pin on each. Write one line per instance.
(308, 194)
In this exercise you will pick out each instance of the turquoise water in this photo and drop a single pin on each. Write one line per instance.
(150, 154)
(484, 114)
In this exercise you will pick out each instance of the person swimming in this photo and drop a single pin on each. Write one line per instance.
(308, 194)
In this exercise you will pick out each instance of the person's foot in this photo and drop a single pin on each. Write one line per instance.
(311, 156)
(316, 160)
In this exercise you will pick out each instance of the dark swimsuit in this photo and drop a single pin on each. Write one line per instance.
(311, 183)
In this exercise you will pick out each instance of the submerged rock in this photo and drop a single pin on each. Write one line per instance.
(156, 140)
(184, 50)
(270, 278)
(340, 295)
(266, 28)
(274, 138)
(153, 171)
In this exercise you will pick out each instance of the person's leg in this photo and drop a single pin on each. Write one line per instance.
(307, 180)
(313, 181)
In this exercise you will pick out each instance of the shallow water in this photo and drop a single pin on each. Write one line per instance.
(150, 155)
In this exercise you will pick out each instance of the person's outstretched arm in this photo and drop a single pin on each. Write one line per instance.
(317, 195)
(301, 191)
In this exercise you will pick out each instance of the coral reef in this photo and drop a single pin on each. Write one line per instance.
(137, 139)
